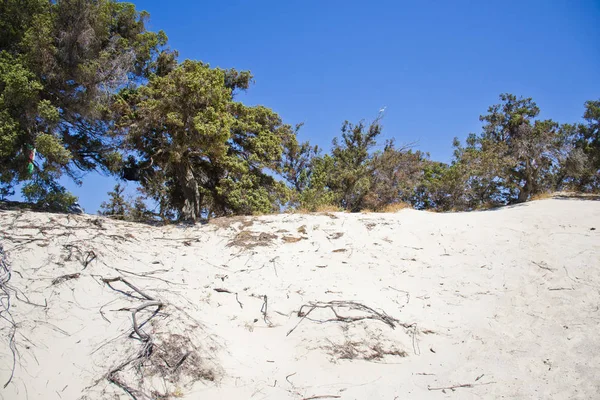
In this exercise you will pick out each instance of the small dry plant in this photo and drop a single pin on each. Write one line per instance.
(394, 207)
(249, 239)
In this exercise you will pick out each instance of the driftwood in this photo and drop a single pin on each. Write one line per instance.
(337, 306)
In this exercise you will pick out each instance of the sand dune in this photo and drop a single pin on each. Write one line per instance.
(412, 305)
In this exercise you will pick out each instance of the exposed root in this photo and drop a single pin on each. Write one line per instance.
(5, 314)
(170, 357)
(364, 312)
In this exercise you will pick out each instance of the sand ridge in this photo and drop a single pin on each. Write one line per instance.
(490, 304)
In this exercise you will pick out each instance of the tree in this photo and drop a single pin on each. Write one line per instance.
(60, 64)
(441, 187)
(296, 161)
(396, 174)
(350, 178)
(116, 206)
(581, 161)
(203, 154)
(317, 193)
(515, 156)
(477, 169)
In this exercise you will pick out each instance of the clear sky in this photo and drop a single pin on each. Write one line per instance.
(435, 65)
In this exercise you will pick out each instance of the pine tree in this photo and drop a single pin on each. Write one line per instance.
(116, 206)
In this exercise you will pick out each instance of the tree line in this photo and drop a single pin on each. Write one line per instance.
(84, 86)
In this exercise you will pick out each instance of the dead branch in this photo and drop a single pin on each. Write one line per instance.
(325, 396)
(287, 378)
(350, 306)
(543, 266)
(143, 336)
(64, 278)
(221, 290)
(148, 345)
(108, 281)
(5, 313)
(263, 310)
(145, 275)
(335, 307)
(402, 291)
(89, 257)
(454, 387)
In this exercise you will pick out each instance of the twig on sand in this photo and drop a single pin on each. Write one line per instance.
(461, 385)
(325, 396)
(64, 278)
(221, 290)
(415, 342)
(287, 378)
(142, 335)
(263, 310)
(146, 275)
(89, 257)
(108, 281)
(542, 266)
(402, 291)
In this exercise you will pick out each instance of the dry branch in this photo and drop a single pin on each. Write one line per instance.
(89, 257)
(108, 281)
(148, 345)
(64, 278)
(336, 306)
(5, 314)
(221, 290)
(145, 275)
(542, 266)
(263, 310)
(461, 385)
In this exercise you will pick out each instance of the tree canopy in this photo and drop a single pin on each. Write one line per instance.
(60, 65)
(84, 86)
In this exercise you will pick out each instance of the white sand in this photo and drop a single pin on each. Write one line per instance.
(507, 301)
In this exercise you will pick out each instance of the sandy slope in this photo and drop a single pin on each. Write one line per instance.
(507, 301)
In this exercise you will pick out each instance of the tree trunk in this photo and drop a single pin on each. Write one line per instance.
(529, 186)
(192, 204)
(524, 193)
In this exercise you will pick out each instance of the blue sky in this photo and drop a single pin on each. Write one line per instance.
(435, 65)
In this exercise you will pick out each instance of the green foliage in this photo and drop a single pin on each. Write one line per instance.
(47, 194)
(581, 166)
(60, 64)
(85, 84)
(204, 154)
(396, 173)
(116, 206)
(513, 158)
(350, 179)
(316, 193)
